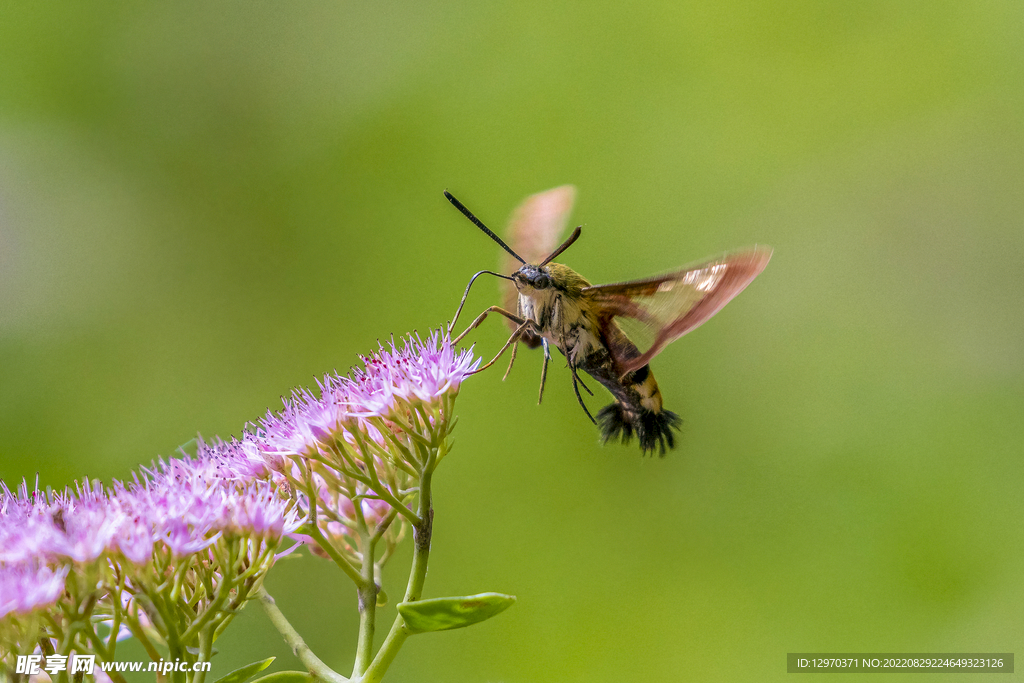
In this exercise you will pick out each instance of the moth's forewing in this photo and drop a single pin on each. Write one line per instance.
(664, 308)
(533, 232)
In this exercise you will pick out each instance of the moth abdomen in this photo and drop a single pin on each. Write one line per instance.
(637, 411)
(652, 429)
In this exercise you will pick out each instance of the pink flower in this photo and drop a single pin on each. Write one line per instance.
(27, 587)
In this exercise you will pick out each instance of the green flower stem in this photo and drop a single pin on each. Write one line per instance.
(333, 553)
(140, 634)
(79, 628)
(115, 625)
(367, 606)
(172, 634)
(417, 576)
(167, 618)
(205, 650)
(381, 491)
(295, 641)
(383, 525)
(98, 645)
(378, 488)
(411, 430)
(321, 540)
(221, 597)
(179, 579)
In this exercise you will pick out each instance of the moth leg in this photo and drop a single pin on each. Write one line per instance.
(556, 311)
(543, 369)
(514, 338)
(576, 381)
(579, 379)
(515, 348)
(575, 387)
(515, 344)
(480, 318)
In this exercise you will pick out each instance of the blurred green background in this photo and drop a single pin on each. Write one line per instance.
(203, 205)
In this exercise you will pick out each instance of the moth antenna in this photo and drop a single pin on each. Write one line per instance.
(476, 221)
(565, 245)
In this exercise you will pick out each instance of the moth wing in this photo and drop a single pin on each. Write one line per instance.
(533, 232)
(666, 307)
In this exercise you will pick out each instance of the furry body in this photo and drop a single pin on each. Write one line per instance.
(555, 299)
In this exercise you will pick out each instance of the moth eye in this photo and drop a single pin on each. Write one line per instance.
(541, 281)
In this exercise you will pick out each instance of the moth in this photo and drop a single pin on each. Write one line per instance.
(601, 329)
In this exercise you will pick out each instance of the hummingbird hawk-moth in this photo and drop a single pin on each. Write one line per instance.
(598, 327)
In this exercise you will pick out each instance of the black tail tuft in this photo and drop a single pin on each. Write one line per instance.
(652, 429)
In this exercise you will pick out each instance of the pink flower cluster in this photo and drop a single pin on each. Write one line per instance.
(331, 441)
(180, 505)
(231, 489)
(393, 380)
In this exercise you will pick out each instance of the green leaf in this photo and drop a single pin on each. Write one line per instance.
(285, 677)
(246, 672)
(443, 614)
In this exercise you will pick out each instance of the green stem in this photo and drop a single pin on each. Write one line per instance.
(98, 645)
(377, 487)
(383, 525)
(170, 623)
(321, 540)
(333, 553)
(115, 624)
(205, 650)
(294, 640)
(421, 534)
(219, 599)
(417, 576)
(383, 494)
(140, 634)
(367, 606)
